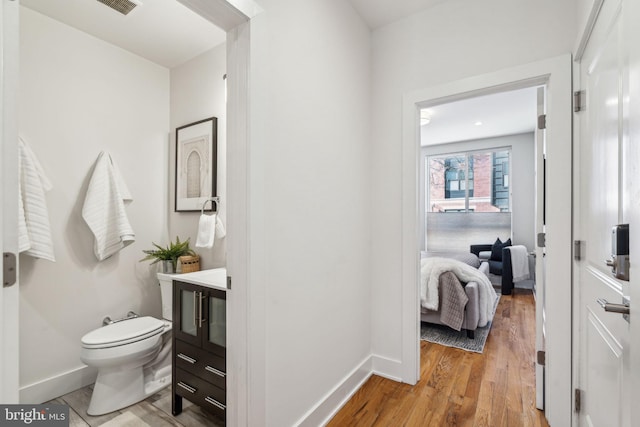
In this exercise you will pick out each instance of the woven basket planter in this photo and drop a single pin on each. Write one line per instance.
(190, 263)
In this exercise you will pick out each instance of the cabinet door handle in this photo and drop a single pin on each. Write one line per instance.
(195, 308)
(187, 387)
(200, 309)
(186, 358)
(215, 371)
(215, 403)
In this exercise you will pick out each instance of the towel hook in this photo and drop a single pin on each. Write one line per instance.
(215, 200)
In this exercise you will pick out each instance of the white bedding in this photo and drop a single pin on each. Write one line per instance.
(430, 270)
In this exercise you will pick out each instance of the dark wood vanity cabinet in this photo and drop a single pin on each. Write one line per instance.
(199, 348)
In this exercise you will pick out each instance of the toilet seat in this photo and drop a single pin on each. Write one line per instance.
(124, 332)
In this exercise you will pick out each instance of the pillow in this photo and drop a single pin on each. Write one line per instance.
(496, 249)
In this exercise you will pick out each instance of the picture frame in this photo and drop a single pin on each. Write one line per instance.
(196, 165)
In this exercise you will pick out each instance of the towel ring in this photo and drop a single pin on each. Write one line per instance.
(215, 200)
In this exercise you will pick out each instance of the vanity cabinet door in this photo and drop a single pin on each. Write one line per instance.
(187, 309)
(199, 347)
(214, 334)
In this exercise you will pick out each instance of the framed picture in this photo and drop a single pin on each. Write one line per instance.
(196, 164)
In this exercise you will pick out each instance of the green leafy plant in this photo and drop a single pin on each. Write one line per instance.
(169, 253)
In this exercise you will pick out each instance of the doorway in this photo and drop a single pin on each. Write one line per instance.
(478, 172)
(235, 22)
(555, 73)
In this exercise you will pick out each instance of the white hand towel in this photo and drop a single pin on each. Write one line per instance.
(104, 210)
(220, 230)
(34, 231)
(206, 231)
(519, 263)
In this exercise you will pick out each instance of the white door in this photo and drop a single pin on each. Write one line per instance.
(539, 250)
(8, 198)
(603, 362)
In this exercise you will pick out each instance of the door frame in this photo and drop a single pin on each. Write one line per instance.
(9, 297)
(244, 370)
(555, 73)
(234, 16)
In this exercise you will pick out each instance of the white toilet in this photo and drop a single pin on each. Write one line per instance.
(133, 357)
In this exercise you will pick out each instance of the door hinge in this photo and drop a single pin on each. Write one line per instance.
(579, 103)
(542, 238)
(8, 269)
(542, 121)
(577, 399)
(577, 249)
(541, 357)
(228, 282)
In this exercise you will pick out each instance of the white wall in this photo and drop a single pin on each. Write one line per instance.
(522, 175)
(309, 209)
(445, 43)
(79, 96)
(197, 92)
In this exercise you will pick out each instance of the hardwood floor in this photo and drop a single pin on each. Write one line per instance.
(155, 411)
(459, 388)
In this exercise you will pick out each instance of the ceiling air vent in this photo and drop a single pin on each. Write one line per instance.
(122, 6)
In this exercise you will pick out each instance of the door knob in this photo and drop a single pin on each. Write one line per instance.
(616, 308)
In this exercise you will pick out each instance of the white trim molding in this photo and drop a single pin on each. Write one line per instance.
(59, 385)
(333, 401)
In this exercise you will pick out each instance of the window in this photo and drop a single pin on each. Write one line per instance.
(468, 199)
(469, 182)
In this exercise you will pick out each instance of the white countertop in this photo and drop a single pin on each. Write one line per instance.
(215, 278)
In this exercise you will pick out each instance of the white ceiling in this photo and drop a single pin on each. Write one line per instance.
(378, 13)
(505, 113)
(162, 31)
(169, 34)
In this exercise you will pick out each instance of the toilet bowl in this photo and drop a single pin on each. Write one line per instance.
(133, 358)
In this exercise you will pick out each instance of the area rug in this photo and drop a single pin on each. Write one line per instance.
(444, 335)
(126, 419)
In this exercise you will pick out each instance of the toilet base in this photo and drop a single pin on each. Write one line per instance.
(116, 389)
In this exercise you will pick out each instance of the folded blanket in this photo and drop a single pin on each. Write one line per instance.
(454, 300)
(431, 270)
(519, 263)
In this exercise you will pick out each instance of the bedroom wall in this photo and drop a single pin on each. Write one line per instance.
(198, 92)
(447, 42)
(522, 172)
(77, 97)
(310, 306)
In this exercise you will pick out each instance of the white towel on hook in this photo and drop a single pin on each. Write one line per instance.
(220, 230)
(206, 231)
(104, 210)
(210, 227)
(34, 230)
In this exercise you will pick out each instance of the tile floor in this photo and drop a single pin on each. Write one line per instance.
(155, 411)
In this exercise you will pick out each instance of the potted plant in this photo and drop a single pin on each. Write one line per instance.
(168, 255)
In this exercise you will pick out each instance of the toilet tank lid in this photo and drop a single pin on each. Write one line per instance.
(126, 330)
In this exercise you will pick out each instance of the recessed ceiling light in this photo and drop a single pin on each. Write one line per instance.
(478, 123)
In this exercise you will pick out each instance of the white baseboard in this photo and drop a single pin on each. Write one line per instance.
(50, 388)
(387, 368)
(327, 407)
